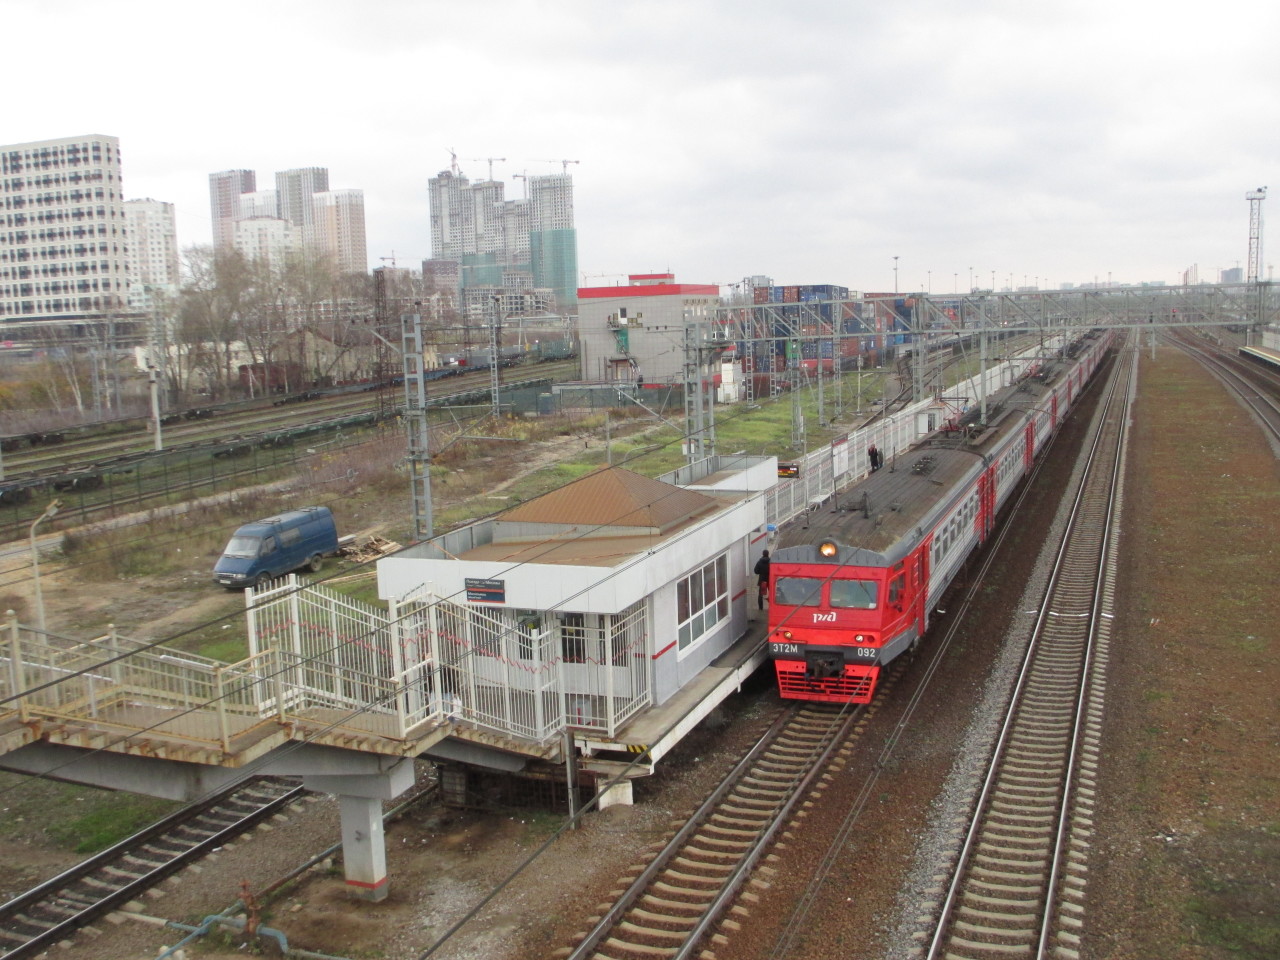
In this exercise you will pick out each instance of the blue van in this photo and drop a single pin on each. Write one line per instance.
(270, 548)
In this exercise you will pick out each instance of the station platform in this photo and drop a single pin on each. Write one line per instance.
(656, 730)
(1264, 355)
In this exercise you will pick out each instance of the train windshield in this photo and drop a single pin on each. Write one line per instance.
(243, 547)
(798, 591)
(854, 594)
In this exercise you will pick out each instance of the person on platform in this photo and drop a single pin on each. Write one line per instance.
(761, 570)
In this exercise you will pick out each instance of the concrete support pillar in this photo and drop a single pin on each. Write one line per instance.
(618, 794)
(364, 853)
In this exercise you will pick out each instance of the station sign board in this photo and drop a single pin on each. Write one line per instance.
(486, 591)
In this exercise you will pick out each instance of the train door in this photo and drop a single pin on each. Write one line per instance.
(899, 598)
(918, 563)
(982, 522)
(1029, 445)
(1053, 411)
(989, 498)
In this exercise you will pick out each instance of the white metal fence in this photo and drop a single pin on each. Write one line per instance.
(128, 687)
(525, 674)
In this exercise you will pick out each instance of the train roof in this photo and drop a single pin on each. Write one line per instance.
(884, 515)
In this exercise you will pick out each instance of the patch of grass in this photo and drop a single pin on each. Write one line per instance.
(1155, 696)
(110, 822)
(219, 637)
(1252, 937)
(78, 818)
(540, 824)
(365, 589)
(1234, 872)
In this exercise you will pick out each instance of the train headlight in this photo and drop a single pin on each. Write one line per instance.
(859, 638)
(828, 548)
(786, 634)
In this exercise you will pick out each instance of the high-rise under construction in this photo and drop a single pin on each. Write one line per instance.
(498, 242)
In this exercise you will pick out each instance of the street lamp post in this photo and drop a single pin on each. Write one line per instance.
(155, 406)
(49, 511)
(859, 385)
(895, 274)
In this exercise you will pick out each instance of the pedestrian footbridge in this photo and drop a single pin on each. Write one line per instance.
(337, 692)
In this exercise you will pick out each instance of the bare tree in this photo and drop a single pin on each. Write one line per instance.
(214, 302)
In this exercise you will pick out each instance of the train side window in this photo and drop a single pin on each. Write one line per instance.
(897, 587)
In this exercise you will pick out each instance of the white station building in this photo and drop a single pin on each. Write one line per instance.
(584, 607)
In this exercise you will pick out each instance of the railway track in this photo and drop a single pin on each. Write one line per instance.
(196, 467)
(672, 902)
(1017, 883)
(1256, 387)
(215, 425)
(51, 913)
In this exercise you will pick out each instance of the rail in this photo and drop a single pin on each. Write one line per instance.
(671, 905)
(1016, 884)
(48, 913)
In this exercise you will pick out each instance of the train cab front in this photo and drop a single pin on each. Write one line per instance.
(813, 672)
(825, 629)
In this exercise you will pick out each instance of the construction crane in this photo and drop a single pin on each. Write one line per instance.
(489, 160)
(1255, 198)
(564, 164)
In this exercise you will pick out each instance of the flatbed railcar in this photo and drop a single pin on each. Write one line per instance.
(853, 582)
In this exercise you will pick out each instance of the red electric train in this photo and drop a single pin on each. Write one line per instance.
(852, 583)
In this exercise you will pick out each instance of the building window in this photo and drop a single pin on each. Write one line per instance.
(573, 637)
(702, 601)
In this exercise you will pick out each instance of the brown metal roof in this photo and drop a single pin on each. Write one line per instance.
(614, 496)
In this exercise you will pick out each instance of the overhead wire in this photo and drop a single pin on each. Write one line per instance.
(374, 702)
(145, 647)
(364, 707)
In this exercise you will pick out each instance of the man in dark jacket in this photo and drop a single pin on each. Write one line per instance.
(761, 570)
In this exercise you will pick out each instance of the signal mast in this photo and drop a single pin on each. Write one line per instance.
(1255, 198)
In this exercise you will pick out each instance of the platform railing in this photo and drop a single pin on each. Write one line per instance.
(111, 681)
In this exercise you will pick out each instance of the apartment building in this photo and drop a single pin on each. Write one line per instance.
(153, 251)
(225, 190)
(300, 215)
(64, 252)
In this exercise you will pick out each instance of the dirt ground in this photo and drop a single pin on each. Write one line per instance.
(155, 607)
(1187, 858)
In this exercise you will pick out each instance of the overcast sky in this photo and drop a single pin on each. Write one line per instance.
(811, 141)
